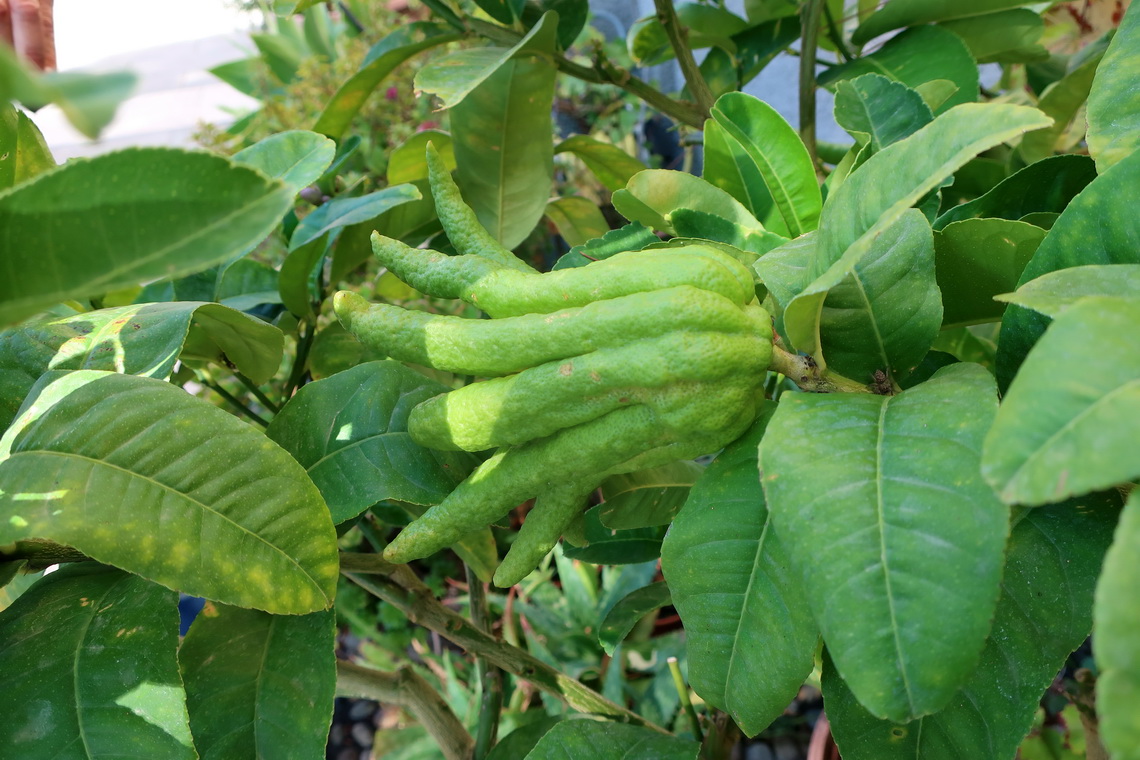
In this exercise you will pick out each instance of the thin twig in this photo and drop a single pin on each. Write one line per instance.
(399, 586)
(678, 40)
(836, 35)
(257, 392)
(407, 688)
(301, 360)
(686, 703)
(811, 12)
(490, 676)
(234, 401)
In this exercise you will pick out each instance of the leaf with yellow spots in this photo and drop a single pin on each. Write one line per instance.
(88, 670)
(138, 474)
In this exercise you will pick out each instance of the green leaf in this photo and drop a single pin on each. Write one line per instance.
(976, 259)
(1062, 102)
(899, 13)
(106, 223)
(408, 162)
(632, 237)
(1099, 226)
(610, 164)
(89, 101)
(1066, 426)
(1044, 187)
(503, 11)
(343, 212)
(876, 309)
(606, 546)
(297, 158)
(572, 16)
(900, 542)
(653, 195)
(751, 637)
(1117, 653)
(336, 350)
(295, 280)
(1043, 614)
(245, 284)
(281, 53)
(453, 77)
(900, 175)
(602, 740)
(400, 45)
(728, 167)
(702, 227)
(213, 508)
(624, 615)
(88, 670)
(350, 433)
(503, 147)
(25, 154)
(1010, 36)
(879, 110)
(759, 45)
(779, 157)
(259, 686)
(917, 56)
(577, 219)
(144, 339)
(646, 498)
(243, 75)
(1114, 103)
(1052, 294)
(519, 742)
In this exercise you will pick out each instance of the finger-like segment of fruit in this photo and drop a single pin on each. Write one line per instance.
(491, 348)
(513, 475)
(503, 292)
(459, 221)
(435, 273)
(544, 399)
(555, 508)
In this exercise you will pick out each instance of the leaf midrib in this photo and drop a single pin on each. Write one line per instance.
(205, 507)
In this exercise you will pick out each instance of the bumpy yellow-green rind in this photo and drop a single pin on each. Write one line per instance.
(513, 475)
(503, 292)
(459, 221)
(555, 508)
(544, 399)
(491, 348)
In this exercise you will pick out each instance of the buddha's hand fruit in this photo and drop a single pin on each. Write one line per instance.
(630, 362)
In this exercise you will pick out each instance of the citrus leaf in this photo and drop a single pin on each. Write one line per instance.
(751, 636)
(1051, 294)
(602, 740)
(297, 158)
(882, 110)
(408, 162)
(899, 13)
(779, 157)
(259, 686)
(144, 339)
(610, 164)
(1099, 226)
(645, 498)
(212, 507)
(382, 59)
(577, 219)
(1067, 423)
(1113, 102)
(350, 433)
(88, 670)
(653, 195)
(126, 217)
(624, 615)
(899, 540)
(1117, 653)
(1061, 101)
(1043, 614)
(25, 152)
(343, 212)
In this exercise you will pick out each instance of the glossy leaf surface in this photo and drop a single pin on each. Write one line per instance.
(899, 13)
(610, 164)
(899, 540)
(88, 669)
(126, 217)
(1009, 36)
(653, 195)
(297, 158)
(350, 433)
(646, 498)
(145, 339)
(1114, 102)
(1099, 226)
(598, 740)
(624, 615)
(343, 212)
(751, 638)
(606, 546)
(216, 509)
(1067, 424)
(977, 259)
(779, 157)
(881, 110)
(1051, 294)
(1044, 613)
(1117, 650)
(259, 686)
